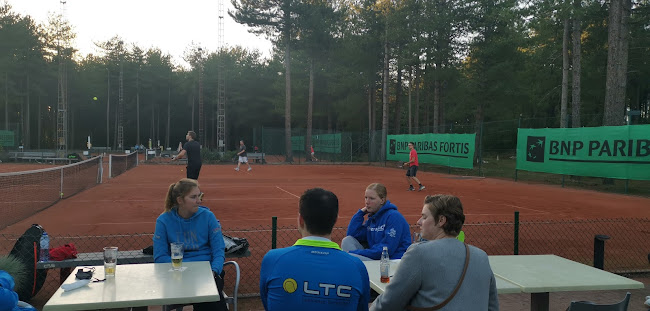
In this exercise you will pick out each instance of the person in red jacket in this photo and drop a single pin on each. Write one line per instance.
(313, 157)
(413, 169)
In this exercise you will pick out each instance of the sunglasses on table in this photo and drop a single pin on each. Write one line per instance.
(86, 273)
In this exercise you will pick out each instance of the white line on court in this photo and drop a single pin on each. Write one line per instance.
(9, 202)
(530, 209)
(510, 205)
(223, 185)
(222, 220)
(288, 192)
(115, 223)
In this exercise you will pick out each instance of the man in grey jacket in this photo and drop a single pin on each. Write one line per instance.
(429, 271)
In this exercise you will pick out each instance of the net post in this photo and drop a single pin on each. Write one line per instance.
(599, 251)
(274, 232)
(110, 164)
(480, 151)
(61, 189)
(516, 231)
(101, 169)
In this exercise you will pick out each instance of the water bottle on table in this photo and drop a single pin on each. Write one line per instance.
(45, 247)
(384, 266)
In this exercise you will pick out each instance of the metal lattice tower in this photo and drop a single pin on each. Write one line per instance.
(221, 86)
(62, 102)
(120, 111)
(201, 116)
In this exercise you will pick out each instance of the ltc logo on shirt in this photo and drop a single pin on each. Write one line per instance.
(323, 290)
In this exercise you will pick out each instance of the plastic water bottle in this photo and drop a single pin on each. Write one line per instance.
(384, 266)
(45, 247)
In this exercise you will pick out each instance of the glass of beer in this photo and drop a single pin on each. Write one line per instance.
(110, 260)
(177, 255)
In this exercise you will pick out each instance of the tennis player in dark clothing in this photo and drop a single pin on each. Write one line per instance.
(192, 149)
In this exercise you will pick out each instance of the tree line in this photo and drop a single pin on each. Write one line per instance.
(399, 66)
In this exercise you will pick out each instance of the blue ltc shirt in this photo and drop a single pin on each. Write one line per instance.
(313, 275)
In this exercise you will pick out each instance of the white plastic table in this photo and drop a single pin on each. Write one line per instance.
(138, 285)
(503, 286)
(541, 274)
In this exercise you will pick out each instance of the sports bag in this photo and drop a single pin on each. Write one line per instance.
(237, 246)
(27, 250)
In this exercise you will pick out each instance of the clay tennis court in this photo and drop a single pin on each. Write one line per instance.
(131, 202)
(127, 205)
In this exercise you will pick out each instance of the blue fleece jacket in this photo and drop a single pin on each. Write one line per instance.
(200, 234)
(387, 227)
(9, 298)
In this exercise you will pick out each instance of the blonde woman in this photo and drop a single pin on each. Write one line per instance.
(184, 220)
(384, 226)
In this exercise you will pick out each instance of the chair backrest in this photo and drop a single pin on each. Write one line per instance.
(590, 306)
(461, 236)
(233, 300)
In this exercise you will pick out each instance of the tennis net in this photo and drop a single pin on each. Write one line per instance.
(120, 163)
(28, 192)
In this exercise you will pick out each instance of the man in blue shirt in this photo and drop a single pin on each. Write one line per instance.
(314, 274)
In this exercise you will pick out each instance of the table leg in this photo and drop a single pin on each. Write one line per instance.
(539, 302)
(63, 274)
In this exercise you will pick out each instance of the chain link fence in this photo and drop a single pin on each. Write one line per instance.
(626, 251)
(350, 146)
(495, 151)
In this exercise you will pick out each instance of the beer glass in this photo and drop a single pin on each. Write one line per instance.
(177, 255)
(110, 260)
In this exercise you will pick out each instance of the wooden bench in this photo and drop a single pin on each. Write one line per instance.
(97, 259)
(256, 156)
(32, 155)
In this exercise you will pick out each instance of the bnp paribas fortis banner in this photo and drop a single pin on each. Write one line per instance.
(609, 151)
(455, 150)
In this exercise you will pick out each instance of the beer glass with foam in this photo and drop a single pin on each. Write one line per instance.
(177, 255)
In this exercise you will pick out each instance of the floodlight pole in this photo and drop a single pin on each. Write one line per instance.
(108, 106)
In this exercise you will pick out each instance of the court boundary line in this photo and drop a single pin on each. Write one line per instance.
(515, 206)
(158, 200)
(288, 192)
(227, 185)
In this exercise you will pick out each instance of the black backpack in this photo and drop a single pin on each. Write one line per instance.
(27, 250)
(237, 246)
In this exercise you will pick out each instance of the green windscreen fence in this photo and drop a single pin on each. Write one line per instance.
(621, 152)
(330, 143)
(6, 138)
(454, 150)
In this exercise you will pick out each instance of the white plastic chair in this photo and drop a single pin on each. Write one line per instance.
(590, 306)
